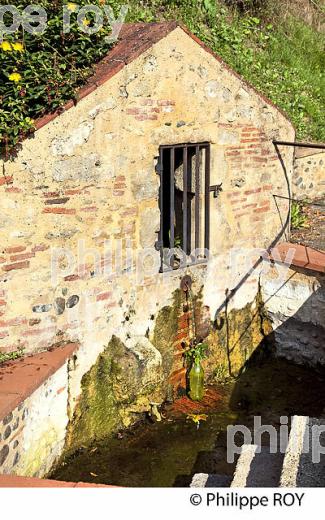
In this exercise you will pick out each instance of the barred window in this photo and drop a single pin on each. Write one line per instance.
(184, 171)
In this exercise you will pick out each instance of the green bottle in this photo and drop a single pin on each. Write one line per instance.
(196, 378)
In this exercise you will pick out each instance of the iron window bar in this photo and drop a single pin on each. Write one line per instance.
(190, 240)
(301, 145)
(300, 201)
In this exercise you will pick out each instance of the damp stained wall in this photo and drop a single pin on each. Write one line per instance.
(85, 185)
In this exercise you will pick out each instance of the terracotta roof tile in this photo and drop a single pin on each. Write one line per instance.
(303, 256)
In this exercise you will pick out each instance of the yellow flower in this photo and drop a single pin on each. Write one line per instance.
(18, 47)
(15, 76)
(197, 418)
(71, 6)
(86, 22)
(6, 46)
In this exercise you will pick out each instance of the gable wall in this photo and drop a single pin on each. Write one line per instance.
(89, 176)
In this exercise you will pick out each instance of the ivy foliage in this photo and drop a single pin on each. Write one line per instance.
(281, 55)
(39, 73)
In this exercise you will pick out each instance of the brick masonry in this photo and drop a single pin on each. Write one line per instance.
(193, 323)
(83, 194)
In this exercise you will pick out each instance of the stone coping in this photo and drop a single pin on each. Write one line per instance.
(304, 256)
(20, 378)
(14, 481)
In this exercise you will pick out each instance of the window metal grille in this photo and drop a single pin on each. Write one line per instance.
(184, 235)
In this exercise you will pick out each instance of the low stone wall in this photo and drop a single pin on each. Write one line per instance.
(295, 303)
(309, 174)
(32, 433)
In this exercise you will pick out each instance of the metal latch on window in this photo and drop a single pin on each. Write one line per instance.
(159, 168)
(159, 245)
(216, 189)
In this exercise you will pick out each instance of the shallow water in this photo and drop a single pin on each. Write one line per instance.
(168, 453)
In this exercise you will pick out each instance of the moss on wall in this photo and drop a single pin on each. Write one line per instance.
(235, 337)
(166, 328)
(113, 394)
(97, 412)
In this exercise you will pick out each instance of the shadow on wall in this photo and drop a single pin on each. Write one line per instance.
(281, 378)
(297, 344)
(300, 338)
(286, 380)
(223, 318)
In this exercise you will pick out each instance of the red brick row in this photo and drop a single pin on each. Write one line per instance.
(13, 189)
(103, 296)
(5, 180)
(17, 265)
(14, 322)
(15, 249)
(146, 117)
(60, 211)
(22, 256)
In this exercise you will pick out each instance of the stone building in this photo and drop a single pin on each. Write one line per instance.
(93, 202)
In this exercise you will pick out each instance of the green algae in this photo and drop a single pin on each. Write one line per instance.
(168, 453)
(236, 335)
(232, 337)
(96, 414)
(113, 395)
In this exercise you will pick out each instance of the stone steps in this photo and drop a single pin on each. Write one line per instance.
(297, 467)
(201, 480)
(258, 469)
(310, 473)
(294, 451)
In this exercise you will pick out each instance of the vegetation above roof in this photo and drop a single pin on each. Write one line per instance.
(279, 53)
(40, 73)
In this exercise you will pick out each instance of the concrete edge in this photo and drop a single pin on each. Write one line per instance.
(243, 466)
(199, 480)
(294, 450)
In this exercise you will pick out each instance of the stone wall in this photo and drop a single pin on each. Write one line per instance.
(295, 303)
(32, 436)
(85, 185)
(309, 174)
